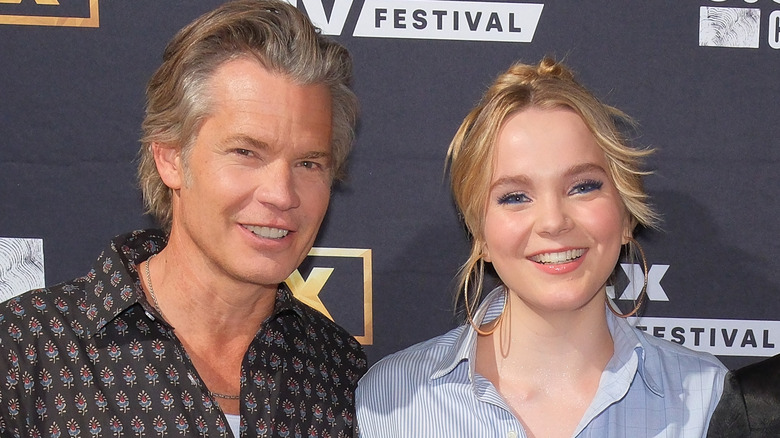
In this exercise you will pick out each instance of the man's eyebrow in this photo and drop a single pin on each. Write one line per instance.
(317, 154)
(245, 140)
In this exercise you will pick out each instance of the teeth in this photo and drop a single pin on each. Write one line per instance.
(558, 257)
(267, 232)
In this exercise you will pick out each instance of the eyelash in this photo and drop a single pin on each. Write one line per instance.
(586, 186)
(312, 165)
(580, 188)
(512, 198)
(307, 164)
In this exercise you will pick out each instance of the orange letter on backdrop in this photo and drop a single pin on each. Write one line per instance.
(39, 2)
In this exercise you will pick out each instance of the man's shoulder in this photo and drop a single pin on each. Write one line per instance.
(94, 296)
(760, 371)
(57, 298)
(760, 381)
(321, 336)
(750, 402)
(35, 318)
(111, 259)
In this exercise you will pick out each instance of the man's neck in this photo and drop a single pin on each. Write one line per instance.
(215, 318)
(202, 302)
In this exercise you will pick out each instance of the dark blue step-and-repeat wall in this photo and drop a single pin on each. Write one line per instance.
(700, 76)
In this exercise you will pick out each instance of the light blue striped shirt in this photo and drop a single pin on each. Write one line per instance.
(650, 388)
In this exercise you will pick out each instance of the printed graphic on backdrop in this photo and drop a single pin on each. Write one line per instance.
(740, 27)
(21, 266)
(430, 19)
(729, 27)
(68, 13)
(721, 337)
(338, 282)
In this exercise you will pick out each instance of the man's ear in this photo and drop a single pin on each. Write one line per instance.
(169, 164)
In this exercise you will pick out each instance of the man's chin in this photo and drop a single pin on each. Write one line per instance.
(266, 272)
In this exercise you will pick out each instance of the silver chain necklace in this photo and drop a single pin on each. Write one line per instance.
(157, 308)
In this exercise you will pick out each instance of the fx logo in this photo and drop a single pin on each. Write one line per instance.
(67, 13)
(636, 278)
(338, 284)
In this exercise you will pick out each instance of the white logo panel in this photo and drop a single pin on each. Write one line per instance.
(449, 20)
(722, 337)
(21, 266)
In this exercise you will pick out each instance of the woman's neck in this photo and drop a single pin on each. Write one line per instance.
(530, 334)
(543, 362)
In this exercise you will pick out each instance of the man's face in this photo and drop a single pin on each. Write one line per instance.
(254, 189)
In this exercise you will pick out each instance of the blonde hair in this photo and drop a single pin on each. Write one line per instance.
(272, 32)
(547, 85)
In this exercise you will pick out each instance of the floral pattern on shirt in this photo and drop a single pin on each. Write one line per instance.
(91, 358)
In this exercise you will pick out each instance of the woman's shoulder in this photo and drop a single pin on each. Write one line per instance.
(673, 356)
(421, 358)
(400, 392)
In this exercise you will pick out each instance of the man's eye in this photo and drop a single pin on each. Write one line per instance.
(310, 164)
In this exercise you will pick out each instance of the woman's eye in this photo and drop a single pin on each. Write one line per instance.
(513, 198)
(586, 187)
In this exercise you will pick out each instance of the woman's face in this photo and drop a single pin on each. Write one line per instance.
(555, 221)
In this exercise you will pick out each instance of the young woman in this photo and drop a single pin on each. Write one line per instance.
(550, 193)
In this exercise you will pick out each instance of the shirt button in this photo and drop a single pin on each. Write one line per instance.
(511, 434)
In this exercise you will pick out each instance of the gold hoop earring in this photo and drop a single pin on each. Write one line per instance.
(642, 294)
(469, 310)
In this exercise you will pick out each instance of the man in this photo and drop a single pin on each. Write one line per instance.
(190, 331)
(750, 405)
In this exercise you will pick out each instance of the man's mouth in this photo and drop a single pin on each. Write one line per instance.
(551, 258)
(267, 232)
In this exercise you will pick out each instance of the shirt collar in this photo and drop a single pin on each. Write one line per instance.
(634, 355)
(286, 303)
(631, 354)
(112, 285)
(464, 347)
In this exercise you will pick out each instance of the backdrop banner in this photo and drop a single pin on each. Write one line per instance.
(700, 77)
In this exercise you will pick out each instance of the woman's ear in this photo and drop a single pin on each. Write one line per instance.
(485, 253)
(169, 164)
(628, 229)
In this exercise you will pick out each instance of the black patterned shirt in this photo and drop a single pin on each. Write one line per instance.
(92, 358)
